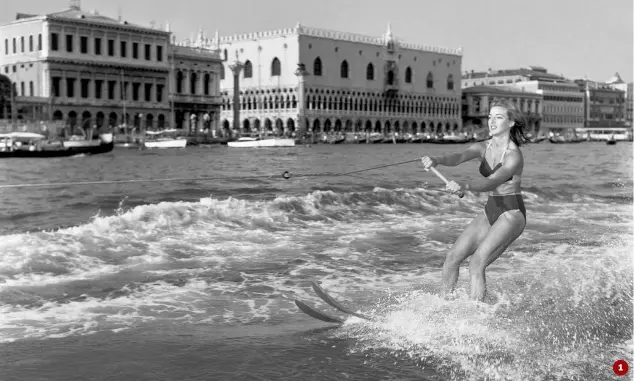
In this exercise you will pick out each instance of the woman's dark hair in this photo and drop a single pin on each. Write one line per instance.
(518, 136)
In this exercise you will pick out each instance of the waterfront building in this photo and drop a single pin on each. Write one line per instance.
(476, 103)
(86, 69)
(562, 103)
(629, 104)
(195, 89)
(604, 106)
(319, 82)
(617, 83)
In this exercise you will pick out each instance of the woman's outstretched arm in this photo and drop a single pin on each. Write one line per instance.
(451, 160)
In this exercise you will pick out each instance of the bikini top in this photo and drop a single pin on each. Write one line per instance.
(485, 169)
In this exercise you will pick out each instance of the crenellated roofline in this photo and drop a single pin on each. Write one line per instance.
(300, 30)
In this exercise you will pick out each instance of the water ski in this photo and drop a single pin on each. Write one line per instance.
(312, 311)
(330, 300)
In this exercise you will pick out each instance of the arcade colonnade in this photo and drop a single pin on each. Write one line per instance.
(275, 111)
(75, 117)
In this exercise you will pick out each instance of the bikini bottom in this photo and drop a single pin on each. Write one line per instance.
(499, 204)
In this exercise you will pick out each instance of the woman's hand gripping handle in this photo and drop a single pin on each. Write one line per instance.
(429, 164)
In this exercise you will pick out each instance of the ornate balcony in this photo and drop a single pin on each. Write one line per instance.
(197, 99)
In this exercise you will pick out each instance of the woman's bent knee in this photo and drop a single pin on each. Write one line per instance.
(454, 258)
(477, 264)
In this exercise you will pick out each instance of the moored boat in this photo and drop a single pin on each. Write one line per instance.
(450, 139)
(418, 138)
(375, 137)
(164, 139)
(562, 140)
(247, 142)
(32, 145)
(538, 139)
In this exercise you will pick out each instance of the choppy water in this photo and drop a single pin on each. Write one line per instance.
(193, 280)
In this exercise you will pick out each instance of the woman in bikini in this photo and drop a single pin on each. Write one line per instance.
(504, 217)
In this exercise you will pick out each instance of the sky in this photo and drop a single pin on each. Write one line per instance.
(575, 38)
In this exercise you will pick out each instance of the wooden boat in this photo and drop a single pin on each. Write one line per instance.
(450, 139)
(31, 145)
(538, 139)
(611, 140)
(375, 138)
(158, 139)
(562, 140)
(337, 140)
(247, 142)
(418, 138)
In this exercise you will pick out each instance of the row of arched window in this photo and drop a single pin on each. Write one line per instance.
(370, 74)
(343, 103)
(194, 82)
(344, 72)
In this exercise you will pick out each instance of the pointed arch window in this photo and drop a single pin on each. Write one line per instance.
(317, 67)
(408, 75)
(369, 72)
(344, 69)
(276, 67)
(430, 80)
(450, 82)
(248, 69)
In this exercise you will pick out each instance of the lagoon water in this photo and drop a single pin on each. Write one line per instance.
(195, 279)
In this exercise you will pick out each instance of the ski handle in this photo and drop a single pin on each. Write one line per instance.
(443, 178)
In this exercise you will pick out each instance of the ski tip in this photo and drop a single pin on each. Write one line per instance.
(315, 313)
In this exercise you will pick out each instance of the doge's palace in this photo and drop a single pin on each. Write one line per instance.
(307, 80)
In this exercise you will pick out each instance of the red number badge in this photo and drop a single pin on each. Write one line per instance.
(620, 367)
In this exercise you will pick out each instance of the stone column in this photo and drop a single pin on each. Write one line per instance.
(484, 104)
(77, 86)
(236, 67)
(301, 74)
(187, 121)
(186, 84)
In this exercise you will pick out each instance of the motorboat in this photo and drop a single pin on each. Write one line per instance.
(164, 139)
(248, 142)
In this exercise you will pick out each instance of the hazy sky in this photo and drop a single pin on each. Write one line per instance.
(569, 37)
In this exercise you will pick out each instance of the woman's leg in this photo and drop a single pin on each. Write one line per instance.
(465, 245)
(504, 231)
